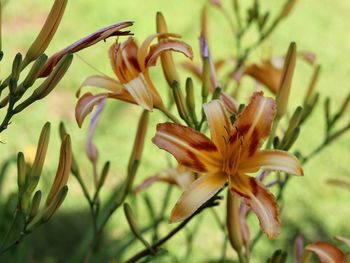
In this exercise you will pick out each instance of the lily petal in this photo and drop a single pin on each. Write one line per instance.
(190, 148)
(261, 201)
(85, 105)
(166, 45)
(254, 124)
(219, 124)
(143, 50)
(196, 195)
(229, 102)
(346, 241)
(272, 160)
(326, 253)
(139, 90)
(100, 82)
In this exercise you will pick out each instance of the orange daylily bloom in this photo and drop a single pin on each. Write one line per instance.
(131, 65)
(232, 152)
(326, 252)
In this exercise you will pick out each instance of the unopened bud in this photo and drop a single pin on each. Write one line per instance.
(287, 8)
(35, 204)
(205, 78)
(293, 124)
(49, 83)
(104, 174)
(204, 22)
(278, 256)
(233, 222)
(63, 133)
(312, 85)
(166, 58)
(139, 138)
(63, 170)
(34, 71)
(292, 139)
(39, 158)
(16, 66)
(216, 93)
(286, 81)
(24, 202)
(179, 101)
(47, 32)
(190, 100)
(21, 171)
(309, 108)
(133, 225)
(55, 204)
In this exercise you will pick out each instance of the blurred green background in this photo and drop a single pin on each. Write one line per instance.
(311, 206)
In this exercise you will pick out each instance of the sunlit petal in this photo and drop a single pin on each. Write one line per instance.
(166, 45)
(139, 90)
(272, 160)
(219, 124)
(346, 241)
(254, 124)
(143, 50)
(85, 105)
(326, 252)
(261, 201)
(100, 82)
(229, 102)
(190, 148)
(196, 195)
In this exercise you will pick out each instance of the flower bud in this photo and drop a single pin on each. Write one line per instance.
(287, 8)
(166, 58)
(35, 204)
(63, 133)
(39, 158)
(49, 83)
(55, 203)
(286, 81)
(293, 124)
(24, 202)
(47, 32)
(133, 225)
(233, 222)
(63, 170)
(21, 171)
(190, 100)
(16, 66)
(278, 256)
(205, 78)
(311, 89)
(104, 174)
(180, 101)
(34, 71)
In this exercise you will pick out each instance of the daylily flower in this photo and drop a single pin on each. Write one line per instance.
(232, 153)
(131, 65)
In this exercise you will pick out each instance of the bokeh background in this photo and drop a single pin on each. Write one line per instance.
(311, 206)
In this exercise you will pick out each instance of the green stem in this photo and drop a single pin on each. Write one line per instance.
(169, 114)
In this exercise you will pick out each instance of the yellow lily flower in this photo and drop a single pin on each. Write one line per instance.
(232, 153)
(131, 65)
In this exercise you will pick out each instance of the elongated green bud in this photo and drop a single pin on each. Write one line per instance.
(217, 93)
(104, 174)
(63, 133)
(35, 204)
(190, 100)
(312, 85)
(205, 79)
(166, 58)
(63, 170)
(55, 204)
(293, 124)
(133, 225)
(39, 158)
(49, 83)
(47, 32)
(278, 256)
(233, 222)
(34, 71)
(21, 171)
(16, 66)
(180, 101)
(291, 139)
(286, 80)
